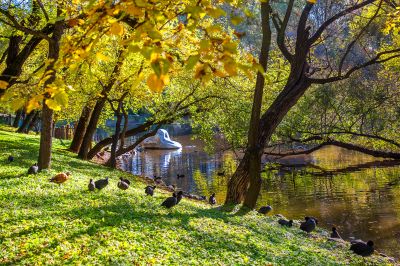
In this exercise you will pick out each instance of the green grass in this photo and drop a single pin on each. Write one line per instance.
(44, 223)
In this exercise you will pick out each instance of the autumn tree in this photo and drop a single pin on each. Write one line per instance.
(312, 29)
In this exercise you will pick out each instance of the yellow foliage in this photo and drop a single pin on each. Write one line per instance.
(102, 57)
(117, 29)
(157, 83)
(53, 105)
(3, 84)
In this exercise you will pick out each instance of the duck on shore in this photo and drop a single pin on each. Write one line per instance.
(361, 248)
(101, 183)
(284, 222)
(170, 202)
(149, 190)
(33, 170)
(265, 209)
(309, 224)
(212, 200)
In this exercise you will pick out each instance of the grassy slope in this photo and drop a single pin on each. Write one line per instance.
(42, 222)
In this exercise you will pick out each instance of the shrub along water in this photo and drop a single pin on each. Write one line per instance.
(46, 223)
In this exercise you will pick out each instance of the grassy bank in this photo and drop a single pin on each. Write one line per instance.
(44, 223)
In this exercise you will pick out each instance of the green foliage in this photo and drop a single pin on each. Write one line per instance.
(44, 223)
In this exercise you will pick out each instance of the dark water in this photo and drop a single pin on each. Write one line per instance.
(343, 188)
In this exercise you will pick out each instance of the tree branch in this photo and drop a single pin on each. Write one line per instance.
(18, 26)
(328, 22)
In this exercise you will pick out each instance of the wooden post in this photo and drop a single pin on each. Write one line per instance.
(67, 131)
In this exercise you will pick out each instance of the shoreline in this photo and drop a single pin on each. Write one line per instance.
(101, 159)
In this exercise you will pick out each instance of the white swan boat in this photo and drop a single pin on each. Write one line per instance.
(161, 141)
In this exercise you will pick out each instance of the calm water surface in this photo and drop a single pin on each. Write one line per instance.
(339, 190)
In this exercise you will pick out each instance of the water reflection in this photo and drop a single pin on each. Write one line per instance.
(364, 203)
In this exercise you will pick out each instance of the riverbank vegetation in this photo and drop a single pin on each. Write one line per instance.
(43, 222)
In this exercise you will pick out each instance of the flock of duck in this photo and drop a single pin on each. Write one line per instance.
(357, 246)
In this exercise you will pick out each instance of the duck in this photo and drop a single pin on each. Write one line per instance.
(10, 159)
(309, 224)
(149, 190)
(91, 185)
(335, 233)
(60, 178)
(212, 199)
(265, 209)
(361, 248)
(122, 185)
(203, 197)
(284, 222)
(179, 196)
(180, 176)
(221, 173)
(101, 183)
(33, 170)
(125, 180)
(170, 202)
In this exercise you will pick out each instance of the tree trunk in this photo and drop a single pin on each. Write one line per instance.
(80, 129)
(94, 119)
(249, 167)
(112, 162)
(238, 185)
(33, 121)
(44, 160)
(122, 138)
(254, 147)
(18, 116)
(26, 122)
(91, 129)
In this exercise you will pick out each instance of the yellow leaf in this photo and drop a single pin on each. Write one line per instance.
(116, 29)
(230, 68)
(312, 1)
(216, 12)
(33, 103)
(236, 20)
(102, 57)
(61, 98)
(155, 83)
(204, 45)
(3, 84)
(53, 105)
(213, 29)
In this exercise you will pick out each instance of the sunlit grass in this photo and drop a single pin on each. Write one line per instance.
(46, 223)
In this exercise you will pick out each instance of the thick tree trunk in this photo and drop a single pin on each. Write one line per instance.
(238, 185)
(91, 129)
(80, 129)
(254, 147)
(18, 116)
(44, 160)
(98, 108)
(26, 122)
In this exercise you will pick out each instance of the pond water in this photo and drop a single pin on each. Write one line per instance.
(343, 188)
